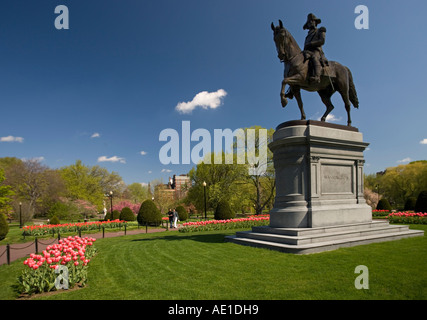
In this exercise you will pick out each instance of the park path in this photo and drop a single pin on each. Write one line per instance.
(21, 250)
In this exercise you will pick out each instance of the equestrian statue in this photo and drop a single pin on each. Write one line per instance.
(309, 69)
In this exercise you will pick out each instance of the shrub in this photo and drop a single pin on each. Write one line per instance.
(127, 214)
(182, 213)
(149, 214)
(54, 220)
(223, 211)
(410, 203)
(421, 204)
(383, 204)
(116, 214)
(4, 227)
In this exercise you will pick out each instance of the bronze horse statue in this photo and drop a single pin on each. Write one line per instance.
(296, 75)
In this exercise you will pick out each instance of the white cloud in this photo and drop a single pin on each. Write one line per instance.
(331, 118)
(405, 160)
(150, 171)
(424, 141)
(143, 153)
(95, 135)
(203, 99)
(11, 139)
(111, 159)
(166, 170)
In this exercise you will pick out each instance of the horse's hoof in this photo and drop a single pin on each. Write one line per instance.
(284, 102)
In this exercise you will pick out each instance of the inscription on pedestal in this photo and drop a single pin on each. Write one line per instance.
(336, 179)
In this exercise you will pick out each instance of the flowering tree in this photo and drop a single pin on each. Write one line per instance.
(126, 203)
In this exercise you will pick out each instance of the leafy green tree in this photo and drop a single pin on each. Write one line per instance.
(4, 226)
(219, 180)
(90, 183)
(397, 184)
(6, 193)
(137, 192)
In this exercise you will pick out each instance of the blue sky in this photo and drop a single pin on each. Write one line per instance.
(122, 67)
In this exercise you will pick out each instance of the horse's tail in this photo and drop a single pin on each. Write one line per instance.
(352, 90)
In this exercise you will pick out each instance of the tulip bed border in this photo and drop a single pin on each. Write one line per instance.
(40, 230)
(408, 217)
(239, 223)
(72, 254)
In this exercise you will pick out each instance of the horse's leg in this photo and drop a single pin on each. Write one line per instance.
(292, 80)
(325, 95)
(343, 89)
(297, 93)
(346, 100)
(283, 99)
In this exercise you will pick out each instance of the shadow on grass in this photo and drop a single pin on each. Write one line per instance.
(206, 238)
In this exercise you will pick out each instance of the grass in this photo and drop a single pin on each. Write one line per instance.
(201, 266)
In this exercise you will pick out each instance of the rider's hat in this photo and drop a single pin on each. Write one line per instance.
(311, 17)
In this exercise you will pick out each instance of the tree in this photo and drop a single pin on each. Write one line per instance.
(137, 192)
(261, 174)
(90, 183)
(219, 180)
(247, 182)
(4, 226)
(6, 194)
(35, 184)
(397, 184)
(421, 204)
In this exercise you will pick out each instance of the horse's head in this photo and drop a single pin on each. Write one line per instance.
(284, 42)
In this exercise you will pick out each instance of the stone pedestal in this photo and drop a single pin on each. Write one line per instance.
(319, 175)
(319, 202)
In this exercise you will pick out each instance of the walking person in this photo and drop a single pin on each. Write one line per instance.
(175, 218)
(170, 215)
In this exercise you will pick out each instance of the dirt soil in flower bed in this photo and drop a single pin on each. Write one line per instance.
(25, 296)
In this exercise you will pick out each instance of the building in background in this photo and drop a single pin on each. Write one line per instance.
(175, 190)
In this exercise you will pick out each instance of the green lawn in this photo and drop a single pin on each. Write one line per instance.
(173, 265)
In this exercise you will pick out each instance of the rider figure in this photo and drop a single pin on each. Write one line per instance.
(313, 47)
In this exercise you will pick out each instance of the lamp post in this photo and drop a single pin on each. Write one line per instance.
(20, 214)
(378, 194)
(110, 195)
(204, 191)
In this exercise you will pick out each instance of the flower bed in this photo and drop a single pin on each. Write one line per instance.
(73, 255)
(239, 223)
(408, 217)
(380, 213)
(38, 230)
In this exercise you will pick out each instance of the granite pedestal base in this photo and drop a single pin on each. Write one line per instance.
(319, 188)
